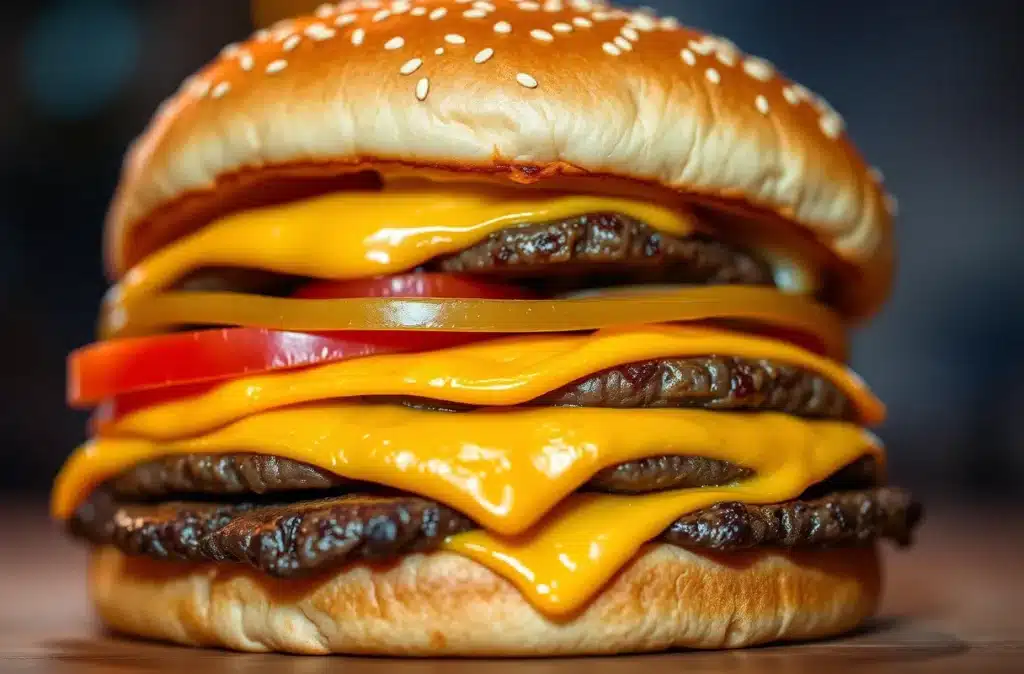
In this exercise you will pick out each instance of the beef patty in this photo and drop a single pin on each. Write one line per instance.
(289, 540)
(605, 249)
(702, 382)
(257, 474)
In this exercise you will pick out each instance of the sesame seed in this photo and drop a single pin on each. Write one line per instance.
(529, 6)
(622, 43)
(762, 105)
(410, 66)
(789, 93)
(553, 6)
(582, 5)
(630, 33)
(726, 57)
(282, 30)
(438, 13)
(542, 35)
(526, 80)
(358, 35)
(486, 6)
(261, 35)
(713, 76)
(221, 89)
(562, 28)
(600, 16)
(582, 22)
(758, 68)
(642, 21)
(199, 87)
(400, 7)
(291, 43)
(276, 66)
(831, 125)
(609, 48)
(319, 32)
(394, 43)
(454, 38)
(503, 27)
(324, 10)
(876, 174)
(475, 14)
(229, 50)
(370, 4)
(422, 88)
(688, 57)
(483, 55)
(245, 60)
(344, 20)
(702, 47)
(803, 92)
(380, 16)
(668, 23)
(439, 51)
(418, 11)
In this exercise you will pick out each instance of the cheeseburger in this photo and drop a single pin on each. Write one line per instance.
(491, 328)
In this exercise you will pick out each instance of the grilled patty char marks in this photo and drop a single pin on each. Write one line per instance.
(699, 382)
(708, 382)
(605, 249)
(305, 537)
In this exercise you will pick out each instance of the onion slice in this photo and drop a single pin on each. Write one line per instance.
(765, 308)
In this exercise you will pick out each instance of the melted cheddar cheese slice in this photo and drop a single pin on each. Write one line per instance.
(512, 471)
(499, 372)
(347, 235)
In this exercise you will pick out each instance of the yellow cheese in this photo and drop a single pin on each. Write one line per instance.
(505, 371)
(508, 469)
(348, 235)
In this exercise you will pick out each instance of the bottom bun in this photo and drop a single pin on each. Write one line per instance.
(445, 604)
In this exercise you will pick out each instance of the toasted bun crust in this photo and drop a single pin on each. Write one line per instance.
(522, 92)
(445, 604)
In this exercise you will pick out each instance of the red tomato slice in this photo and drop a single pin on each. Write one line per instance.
(107, 369)
(416, 284)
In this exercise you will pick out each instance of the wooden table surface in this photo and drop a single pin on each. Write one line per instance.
(955, 603)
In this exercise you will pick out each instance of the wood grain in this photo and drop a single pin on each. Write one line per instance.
(954, 604)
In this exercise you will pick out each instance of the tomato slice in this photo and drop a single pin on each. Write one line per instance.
(416, 284)
(107, 369)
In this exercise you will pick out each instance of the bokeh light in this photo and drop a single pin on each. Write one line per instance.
(78, 55)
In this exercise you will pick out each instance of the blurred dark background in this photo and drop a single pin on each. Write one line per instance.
(931, 91)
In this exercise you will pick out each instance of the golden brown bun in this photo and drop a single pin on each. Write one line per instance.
(523, 92)
(445, 604)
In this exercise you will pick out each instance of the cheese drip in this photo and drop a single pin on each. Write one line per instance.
(500, 372)
(508, 470)
(349, 235)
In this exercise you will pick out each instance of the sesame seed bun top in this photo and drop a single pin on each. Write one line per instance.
(519, 91)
